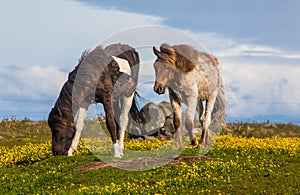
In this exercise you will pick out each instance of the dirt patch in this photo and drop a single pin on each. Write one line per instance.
(92, 166)
(140, 163)
(188, 159)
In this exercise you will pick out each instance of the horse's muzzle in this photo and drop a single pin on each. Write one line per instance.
(159, 88)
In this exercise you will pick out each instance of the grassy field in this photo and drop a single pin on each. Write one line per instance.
(246, 158)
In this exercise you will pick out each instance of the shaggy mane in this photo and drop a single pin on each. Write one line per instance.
(182, 57)
(83, 56)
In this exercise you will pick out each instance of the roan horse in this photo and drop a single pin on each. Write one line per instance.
(192, 77)
(108, 76)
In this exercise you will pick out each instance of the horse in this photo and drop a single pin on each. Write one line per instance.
(152, 118)
(193, 78)
(108, 76)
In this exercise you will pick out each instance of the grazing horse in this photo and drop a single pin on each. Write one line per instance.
(108, 76)
(192, 77)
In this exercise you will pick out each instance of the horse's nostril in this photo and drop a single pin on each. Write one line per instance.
(156, 89)
(160, 89)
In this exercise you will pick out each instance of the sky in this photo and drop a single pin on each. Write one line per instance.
(257, 43)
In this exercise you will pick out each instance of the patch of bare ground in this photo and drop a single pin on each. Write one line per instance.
(140, 163)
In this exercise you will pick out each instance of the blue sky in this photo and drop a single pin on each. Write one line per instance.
(257, 43)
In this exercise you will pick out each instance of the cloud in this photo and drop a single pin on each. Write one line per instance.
(229, 47)
(29, 92)
(260, 79)
(54, 33)
(31, 83)
(262, 88)
(245, 50)
(211, 41)
(41, 42)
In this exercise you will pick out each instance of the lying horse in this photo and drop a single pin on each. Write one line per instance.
(191, 77)
(152, 121)
(108, 76)
(156, 120)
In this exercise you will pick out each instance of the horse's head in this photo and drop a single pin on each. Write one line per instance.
(62, 134)
(164, 67)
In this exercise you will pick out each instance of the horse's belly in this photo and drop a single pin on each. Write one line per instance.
(203, 92)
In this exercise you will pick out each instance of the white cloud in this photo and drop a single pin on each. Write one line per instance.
(35, 82)
(41, 42)
(54, 33)
(256, 50)
(229, 47)
(262, 88)
(259, 79)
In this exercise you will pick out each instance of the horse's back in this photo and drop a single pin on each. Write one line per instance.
(209, 75)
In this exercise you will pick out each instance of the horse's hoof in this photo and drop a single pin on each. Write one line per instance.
(203, 143)
(70, 152)
(194, 142)
(178, 146)
(118, 155)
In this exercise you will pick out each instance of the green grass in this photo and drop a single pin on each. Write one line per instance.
(234, 165)
(262, 129)
(19, 132)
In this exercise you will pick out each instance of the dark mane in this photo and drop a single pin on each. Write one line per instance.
(83, 56)
(78, 90)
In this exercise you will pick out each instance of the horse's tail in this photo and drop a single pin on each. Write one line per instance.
(219, 111)
(134, 110)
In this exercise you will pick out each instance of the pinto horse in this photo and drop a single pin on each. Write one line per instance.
(108, 76)
(192, 78)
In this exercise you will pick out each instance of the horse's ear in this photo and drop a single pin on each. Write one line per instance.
(167, 49)
(156, 52)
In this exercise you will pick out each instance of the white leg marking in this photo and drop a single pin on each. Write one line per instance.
(79, 127)
(117, 150)
(125, 107)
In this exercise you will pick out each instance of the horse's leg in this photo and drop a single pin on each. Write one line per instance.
(117, 117)
(208, 110)
(111, 125)
(79, 126)
(177, 116)
(201, 112)
(123, 121)
(189, 121)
